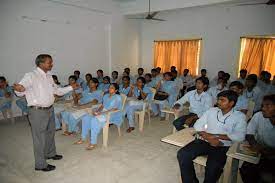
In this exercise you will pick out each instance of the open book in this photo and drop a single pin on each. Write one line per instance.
(244, 149)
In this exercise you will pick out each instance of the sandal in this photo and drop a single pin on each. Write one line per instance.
(130, 129)
(80, 141)
(66, 133)
(90, 147)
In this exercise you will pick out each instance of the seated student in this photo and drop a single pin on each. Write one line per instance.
(199, 100)
(264, 83)
(187, 81)
(203, 73)
(69, 96)
(22, 104)
(5, 95)
(178, 81)
(214, 81)
(173, 68)
(115, 78)
(148, 81)
(88, 77)
(261, 137)
(125, 86)
(88, 97)
(155, 78)
(242, 103)
(99, 77)
(56, 81)
(140, 92)
(227, 78)
(94, 123)
(140, 73)
(217, 129)
(79, 80)
(159, 75)
(166, 89)
(252, 92)
(215, 90)
(104, 86)
(127, 70)
(243, 73)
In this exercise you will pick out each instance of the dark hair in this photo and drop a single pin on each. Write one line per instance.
(168, 73)
(77, 72)
(186, 70)
(140, 69)
(221, 72)
(174, 71)
(142, 79)
(224, 80)
(270, 98)
(73, 77)
(94, 80)
(154, 70)
(252, 77)
(230, 95)
(204, 80)
(116, 87)
(107, 78)
(2, 79)
(126, 77)
(89, 74)
(55, 78)
(149, 75)
(203, 70)
(238, 84)
(99, 70)
(243, 71)
(227, 76)
(173, 67)
(41, 58)
(115, 72)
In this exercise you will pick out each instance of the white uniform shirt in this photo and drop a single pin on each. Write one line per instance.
(256, 96)
(242, 103)
(40, 88)
(232, 124)
(262, 129)
(214, 91)
(187, 81)
(198, 103)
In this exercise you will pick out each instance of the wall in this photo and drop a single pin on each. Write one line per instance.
(77, 38)
(220, 27)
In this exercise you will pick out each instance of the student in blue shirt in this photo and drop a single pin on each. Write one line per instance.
(95, 122)
(216, 130)
(168, 88)
(148, 80)
(199, 101)
(69, 96)
(139, 94)
(88, 97)
(242, 103)
(125, 86)
(115, 78)
(104, 86)
(5, 95)
(99, 73)
(79, 80)
(22, 104)
(88, 77)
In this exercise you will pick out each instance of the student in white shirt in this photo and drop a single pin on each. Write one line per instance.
(187, 81)
(243, 73)
(199, 100)
(261, 138)
(215, 90)
(216, 130)
(214, 81)
(252, 92)
(178, 82)
(242, 103)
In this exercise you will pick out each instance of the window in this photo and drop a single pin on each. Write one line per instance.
(257, 54)
(184, 54)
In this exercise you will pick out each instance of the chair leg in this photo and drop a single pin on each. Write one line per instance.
(5, 115)
(11, 116)
(174, 130)
(105, 134)
(167, 116)
(119, 131)
(149, 117)
(141, 121)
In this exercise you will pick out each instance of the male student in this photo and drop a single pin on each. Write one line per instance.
(242, 103)
(187, 80)
(243, 73)
(261, 137)
(217, 129)
(199, 100)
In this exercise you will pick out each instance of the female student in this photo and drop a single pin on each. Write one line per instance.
(139, 93)
(95, 122)
(91, 96)
(104, 86)
(125, 86)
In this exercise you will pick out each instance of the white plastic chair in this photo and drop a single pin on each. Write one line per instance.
(251, 105)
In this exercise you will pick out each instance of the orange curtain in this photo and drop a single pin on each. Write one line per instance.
(258, 54)
(183, 54)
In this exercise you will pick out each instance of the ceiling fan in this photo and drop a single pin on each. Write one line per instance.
(150, 16)
(270, 2)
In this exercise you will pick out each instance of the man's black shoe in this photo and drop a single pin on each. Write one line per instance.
(56, 157)
(47, 169)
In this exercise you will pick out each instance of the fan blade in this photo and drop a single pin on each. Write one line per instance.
(158, 19)
(137, 18)
(154, 14)
(250, 4)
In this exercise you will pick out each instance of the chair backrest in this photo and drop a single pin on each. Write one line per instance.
(124, 97)
(250, 109)
(154, 91)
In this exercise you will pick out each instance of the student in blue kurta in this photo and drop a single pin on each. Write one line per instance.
(168, 88)
(140, 93)
(88, 97)
(5, 95)
(79, 80)
(99, 75)
(88, 77)
(125, 86)
(115, 78)
(94, 123)
(155, 78)
(104, 86)
(148, 81)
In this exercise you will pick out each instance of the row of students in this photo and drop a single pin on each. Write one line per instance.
(6, 94)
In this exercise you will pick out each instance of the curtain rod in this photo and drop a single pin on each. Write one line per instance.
(178, 40)
(259, 37)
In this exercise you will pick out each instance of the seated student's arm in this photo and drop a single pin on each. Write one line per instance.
(181, 101)
(143, 94)
(131, 92)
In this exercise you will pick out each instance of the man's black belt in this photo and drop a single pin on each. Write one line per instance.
(41, 108)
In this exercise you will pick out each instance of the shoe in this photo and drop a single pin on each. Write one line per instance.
(56, 157)
(47, 169)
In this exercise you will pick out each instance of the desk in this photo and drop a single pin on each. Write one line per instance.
(180, 138)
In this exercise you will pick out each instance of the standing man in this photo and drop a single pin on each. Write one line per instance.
(39, 90)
